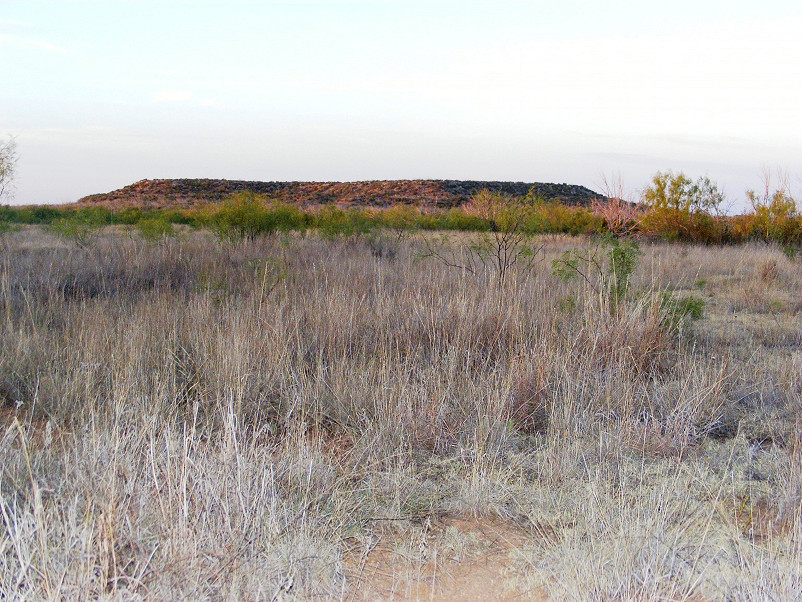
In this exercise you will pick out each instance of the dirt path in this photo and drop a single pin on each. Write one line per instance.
(460, 559)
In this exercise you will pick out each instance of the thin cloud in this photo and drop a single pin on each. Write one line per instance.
(174, 96)
(178, 96)
(32, 43)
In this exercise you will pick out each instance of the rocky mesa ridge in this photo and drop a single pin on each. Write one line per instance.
(426, 194)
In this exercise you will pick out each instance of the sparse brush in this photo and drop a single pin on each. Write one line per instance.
(605, 267)
(202, 420)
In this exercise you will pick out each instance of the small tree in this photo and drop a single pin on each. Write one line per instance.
(774, 212)
(8, 167)
(504, 244)
(619, 213)
(680, 209)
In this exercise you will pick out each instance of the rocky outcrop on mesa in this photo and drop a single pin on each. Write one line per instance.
(426, 194)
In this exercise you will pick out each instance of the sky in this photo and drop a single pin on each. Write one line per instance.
(100, 94)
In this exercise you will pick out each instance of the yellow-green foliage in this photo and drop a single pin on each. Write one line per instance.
(674, 208)
(154, 228)
(333, 222)
(680, 209)
(400, 217)
(679, 225)
(457, 219)
(80, 226)
(247, 215)
(774, 217)
(557, 218)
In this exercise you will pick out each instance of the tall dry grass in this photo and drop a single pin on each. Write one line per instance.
(191, 419)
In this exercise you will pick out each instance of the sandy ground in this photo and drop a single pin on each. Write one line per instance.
(481, 567)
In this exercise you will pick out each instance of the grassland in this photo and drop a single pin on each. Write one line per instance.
(300, 417)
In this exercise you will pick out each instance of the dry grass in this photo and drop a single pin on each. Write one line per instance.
(191, 420)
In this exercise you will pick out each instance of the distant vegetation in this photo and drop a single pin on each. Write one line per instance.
(672, 208)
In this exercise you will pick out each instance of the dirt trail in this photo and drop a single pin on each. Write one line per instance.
(481, 567)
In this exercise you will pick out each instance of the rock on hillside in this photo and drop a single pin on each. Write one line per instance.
(429, 194)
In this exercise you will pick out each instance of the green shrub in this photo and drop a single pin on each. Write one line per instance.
(247, 215)
(154, 229)
(623, 259)
(80, 228)
(557, 218)
(333, 222)
(400, 218)
(186, 217)
(101, 216)
(7, 214)
(607, 267)
(39, 215)
(791, 252)
(458, 219)
(675, 309)
(131, 216)
(287, 218)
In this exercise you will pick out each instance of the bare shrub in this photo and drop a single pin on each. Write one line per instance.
(505, 246)
(619, 212)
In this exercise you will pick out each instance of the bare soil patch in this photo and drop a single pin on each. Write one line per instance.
(461, 559)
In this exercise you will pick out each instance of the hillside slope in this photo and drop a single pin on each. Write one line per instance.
(430, 194)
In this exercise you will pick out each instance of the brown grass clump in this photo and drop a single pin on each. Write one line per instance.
(769, 271)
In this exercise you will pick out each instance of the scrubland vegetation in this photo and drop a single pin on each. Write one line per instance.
(673, 208)
(304, 410)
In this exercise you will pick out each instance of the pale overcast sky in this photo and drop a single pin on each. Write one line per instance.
(100, 94)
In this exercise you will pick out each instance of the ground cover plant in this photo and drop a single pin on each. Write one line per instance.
(295, 415)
